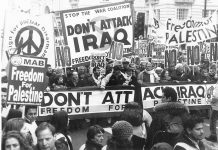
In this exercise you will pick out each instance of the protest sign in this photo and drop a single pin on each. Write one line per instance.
(188, 94)
(98, 60)
(158, 53)
(116, 51)
(171, 56)
(28, 35)
(26, 81)
(86, 101)
(191, 30)
(93, 29)
(193, 54)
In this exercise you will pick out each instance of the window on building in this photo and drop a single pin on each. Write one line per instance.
(182, 14)
(208, 13)
(157, 13)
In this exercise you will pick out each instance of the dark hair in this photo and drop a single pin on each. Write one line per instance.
(14, 124)
(27, 107)
(95, 68)
(93, 130)
(191, 121)
(133, 113)
(17, 135)
(170, 92)
(44, 126)
(116, 68)
(119, 144)
(14, 113)
(59, 120)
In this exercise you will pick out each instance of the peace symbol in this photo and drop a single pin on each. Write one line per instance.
(32, 48)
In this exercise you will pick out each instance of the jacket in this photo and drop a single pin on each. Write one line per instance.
(185, 143)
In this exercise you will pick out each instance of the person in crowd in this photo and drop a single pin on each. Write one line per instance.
(133, 113)
(195, 75)
(114, 78)
(130, 78)
(96, 77)
(135, 72)
(83, 76)
(60, 82)
(95, 137)
(73, 80)
(13, 140)
(121, 137)
(213, 116)
(162, 146)
(165, 76)
(68, 72)
(148, 75)
(14, 113)
(51, 75)
(125, 65)
(159, 71)
(205, 75)
(192, 135)
(18, 124)
(179, 73)
(45, 137)
(30, 118)
(168, 119)
(60, 121)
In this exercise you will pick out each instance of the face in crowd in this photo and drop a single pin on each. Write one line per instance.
(98, 138)
(46, 140)
(149, 66)
(197, 133)
(75, 77)
(31, 114)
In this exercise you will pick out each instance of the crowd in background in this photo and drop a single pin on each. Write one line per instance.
(126, 73)
(171, 127)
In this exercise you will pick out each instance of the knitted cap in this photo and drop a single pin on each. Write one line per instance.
(122, 129)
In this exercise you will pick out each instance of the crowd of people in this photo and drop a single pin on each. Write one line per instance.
(170, 127)
(126, 73)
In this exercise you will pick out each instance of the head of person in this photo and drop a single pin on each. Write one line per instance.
(49, 69)
(13, 140)
(3, 97)
(159, 71)
(204, 72)
(75, 76)
(122, 130)
(68, 71)
(133, 113)
(193, 127)
(31, 113)
(166, 74)
(162, 146)
(179, 68)
(18, 124)
(60, 121)
(45, 136)
(97, 71)
(95, 134)
(125, 63)
(59, 72)
(169, 95)
(14, 113)
(129, 71)
(116, 70)
(82, 70)
(143, 65)
(149, 66)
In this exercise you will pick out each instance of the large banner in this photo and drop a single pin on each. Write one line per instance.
(188, 94)
(191, 30)
(93, 29)
(26, 82)
(86, 101)
(28, 35)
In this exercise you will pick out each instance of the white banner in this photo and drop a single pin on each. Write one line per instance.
(28, 35)
(93, 29)
(188, 94)
(85, 102)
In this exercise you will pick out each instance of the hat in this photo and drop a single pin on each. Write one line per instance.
(122, 130)
(162, 146)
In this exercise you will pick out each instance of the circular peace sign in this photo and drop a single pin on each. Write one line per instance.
(32, 48)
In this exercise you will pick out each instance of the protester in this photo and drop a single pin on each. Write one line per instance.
(73, 80)
(121, 137)
(179, 73)
(96, 77)
(133, 113)
(83, 76)
(30, 118)
(13, 140)
(130, 78)
(18, 124)
(192, 135)
(45, 137)
(165, 76)
(214, 116)
(114, 78)
(14, 113)
(148, 75)
(60, 121)
(95, 137)
(168, 119)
